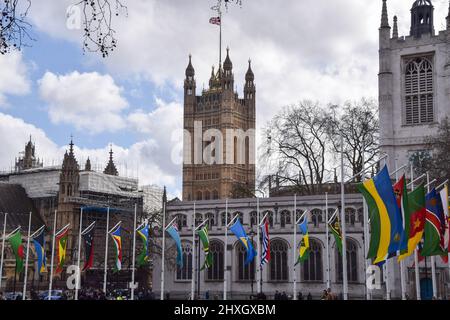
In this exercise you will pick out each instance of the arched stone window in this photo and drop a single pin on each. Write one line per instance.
(270, 217)
(185, 273)
(198, 219)
(350, 216)
(361, 216)
(419, 91)
(279, 270)
(199, 195)
(215, 272)
(254, 218)
(285, 218)
(352, 262)
(245, 272)
(223, 218)
(211, 219)
(181, 220)
(316, 217)
(313, 267)
(207, 195)
(215, 195)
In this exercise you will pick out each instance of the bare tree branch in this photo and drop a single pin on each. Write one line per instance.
(99, 34)
(14, 29)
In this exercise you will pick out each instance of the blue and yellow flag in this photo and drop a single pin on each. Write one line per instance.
(239, 232)
(173, 232)
(117, 238)
(387, 230)
(304, 245)
(39, 246)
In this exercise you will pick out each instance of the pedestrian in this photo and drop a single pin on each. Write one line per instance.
(207, 295)
(309, 297)
(299, 296)
(324, 295)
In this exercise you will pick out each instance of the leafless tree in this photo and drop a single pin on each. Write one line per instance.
(359, 126)
(97, 22)
(439, 146)
(14, 29)
(297, 146)
(99, 34)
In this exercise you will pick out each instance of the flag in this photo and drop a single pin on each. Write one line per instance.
(117, 238)
(434, 226)
(16, 243)
(265, 256)
(215, 20)
(143, 233)
(445, 205)
(401, 195)
(239, 232)
(385, 217)
(415, 219)
(304, 245)
(61, 243)
(335, 228)
(39, 247)
(88, 237)
(173, 232)
(204, 237)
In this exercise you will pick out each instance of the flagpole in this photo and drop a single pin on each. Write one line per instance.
(193, 257)
(105, 275)
(26, 259)
(78, 278)
(366, 228)
(163, 253)
(134, 252)
(3, 249)
(433, 258)
(220, 40)
(344, 235)
(327, 246)
(225, 253)
(416, 254)
(52, 259)
(258, 251)
(402, 265)
(294, 249)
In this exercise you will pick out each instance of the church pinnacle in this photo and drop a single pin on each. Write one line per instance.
(395, 30)
(384, 16)
(111, 167)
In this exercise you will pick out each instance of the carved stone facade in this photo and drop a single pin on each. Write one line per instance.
(414, 82)
(218, 108)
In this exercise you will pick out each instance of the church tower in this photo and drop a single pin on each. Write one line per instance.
(414, 82)
(69, 183)
(219, 140)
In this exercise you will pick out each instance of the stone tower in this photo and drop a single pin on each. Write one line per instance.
(414, 82)
(68, 212)
(219, 147)
(28, 160)
(111, 167)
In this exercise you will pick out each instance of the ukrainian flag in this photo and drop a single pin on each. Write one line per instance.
(239, 232)
(39, 246)
(385, 217)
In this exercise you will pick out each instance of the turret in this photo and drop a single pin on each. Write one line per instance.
(249, 89)
(422, 18)
(227, 76)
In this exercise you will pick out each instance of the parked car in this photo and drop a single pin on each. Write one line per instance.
(13, 296)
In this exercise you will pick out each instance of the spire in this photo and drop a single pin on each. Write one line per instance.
(228, 65)
(384, 16)
(190, 72)
(249, 76)
(71, 145)
(448, 17)
(87, 166)
(111, 167)
(395, 31)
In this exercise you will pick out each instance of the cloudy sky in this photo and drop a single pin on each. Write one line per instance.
(300, 49)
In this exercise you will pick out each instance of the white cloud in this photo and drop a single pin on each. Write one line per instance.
(15, 133)
(89, 101)
(141, 160)
(13, 77)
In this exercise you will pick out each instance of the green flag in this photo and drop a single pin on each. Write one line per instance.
(203, 234)
(16, 243)
(335, 228)
(143, 257)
